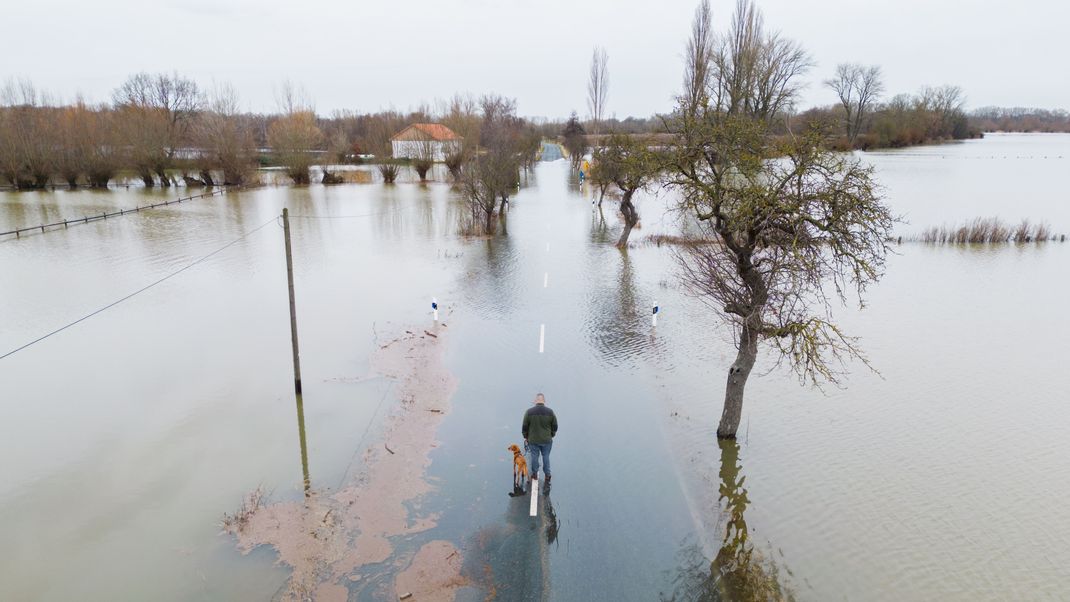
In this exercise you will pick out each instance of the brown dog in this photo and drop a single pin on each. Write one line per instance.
(520, 466)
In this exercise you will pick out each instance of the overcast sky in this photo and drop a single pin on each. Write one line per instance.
(372, 54)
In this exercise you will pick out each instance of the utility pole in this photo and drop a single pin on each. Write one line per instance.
(293, 306)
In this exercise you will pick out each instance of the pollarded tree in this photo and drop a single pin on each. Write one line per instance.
(627, 163)
(225, 137)
(795, 226)
(424, 160)
(461, 115)
(294, 136)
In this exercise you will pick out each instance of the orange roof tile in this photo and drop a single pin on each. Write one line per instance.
(435, 131)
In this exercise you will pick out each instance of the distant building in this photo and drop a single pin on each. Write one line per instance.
(432, 140)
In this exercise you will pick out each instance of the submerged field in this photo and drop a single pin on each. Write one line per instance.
(129, 435)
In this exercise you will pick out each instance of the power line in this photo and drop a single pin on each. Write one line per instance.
(274, 219)
(143, 289)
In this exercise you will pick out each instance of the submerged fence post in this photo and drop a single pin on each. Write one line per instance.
(293, 306)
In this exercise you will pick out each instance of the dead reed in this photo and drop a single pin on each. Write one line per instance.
(988, 230)
(234, 523)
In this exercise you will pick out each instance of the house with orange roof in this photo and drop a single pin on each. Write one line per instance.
(425, 140)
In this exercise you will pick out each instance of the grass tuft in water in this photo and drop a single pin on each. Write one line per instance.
(234, 523)
(989, 230)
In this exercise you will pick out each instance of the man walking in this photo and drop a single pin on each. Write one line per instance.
(540, 426)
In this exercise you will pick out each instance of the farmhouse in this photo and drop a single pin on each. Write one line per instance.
(424, 140)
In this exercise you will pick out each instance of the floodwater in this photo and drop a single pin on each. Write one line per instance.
(127, 436)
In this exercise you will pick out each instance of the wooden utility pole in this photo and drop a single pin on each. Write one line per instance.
(293, 306)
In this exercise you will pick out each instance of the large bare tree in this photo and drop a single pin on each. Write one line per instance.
(598, 88)
(794, 226)
(158, 112)
(492, 177)
(858, 89)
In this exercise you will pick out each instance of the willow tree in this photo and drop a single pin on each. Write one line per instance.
(795, 228)
(224, 134)
(157, 113)
(294, 136)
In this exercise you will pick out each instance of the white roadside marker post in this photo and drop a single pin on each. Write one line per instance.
(434, 308)
(534, 509)
(654, 316)
(542, 337)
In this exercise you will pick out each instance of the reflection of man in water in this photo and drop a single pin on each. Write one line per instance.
(540, 426)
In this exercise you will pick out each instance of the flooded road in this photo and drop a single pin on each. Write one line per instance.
(128, 436)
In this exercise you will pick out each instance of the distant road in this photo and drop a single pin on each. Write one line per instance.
(551, 151)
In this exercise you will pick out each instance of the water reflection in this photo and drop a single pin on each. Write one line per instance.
(304, 444)
(739, 571)
(615, 324)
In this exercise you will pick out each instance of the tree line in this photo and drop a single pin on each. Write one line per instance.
(1020, 119)
(164, 129)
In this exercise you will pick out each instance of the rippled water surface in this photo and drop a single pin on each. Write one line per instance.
(127, 436)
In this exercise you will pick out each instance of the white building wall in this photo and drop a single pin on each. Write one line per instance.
(411, 149)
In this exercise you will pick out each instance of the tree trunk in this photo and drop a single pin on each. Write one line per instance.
(631, 217)
(165, 181)
(206, 177)
(737, 380)
(489, 227)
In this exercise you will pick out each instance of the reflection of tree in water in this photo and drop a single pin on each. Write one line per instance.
(490, 282)
(600, 233)
(739, 571)
(614, 325)
(553, 528)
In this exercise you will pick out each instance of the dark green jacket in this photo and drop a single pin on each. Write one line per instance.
(540, 424)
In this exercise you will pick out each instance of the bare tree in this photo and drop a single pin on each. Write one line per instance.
(381, 127)
(698, 59)
(158, 112)
(225, 137)
(461, 115)
(792, 233)
(27, 135)
(426, 151)
(598, 87)
(858, 89)
(492, 177)
(753, 72)
(294, 136)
